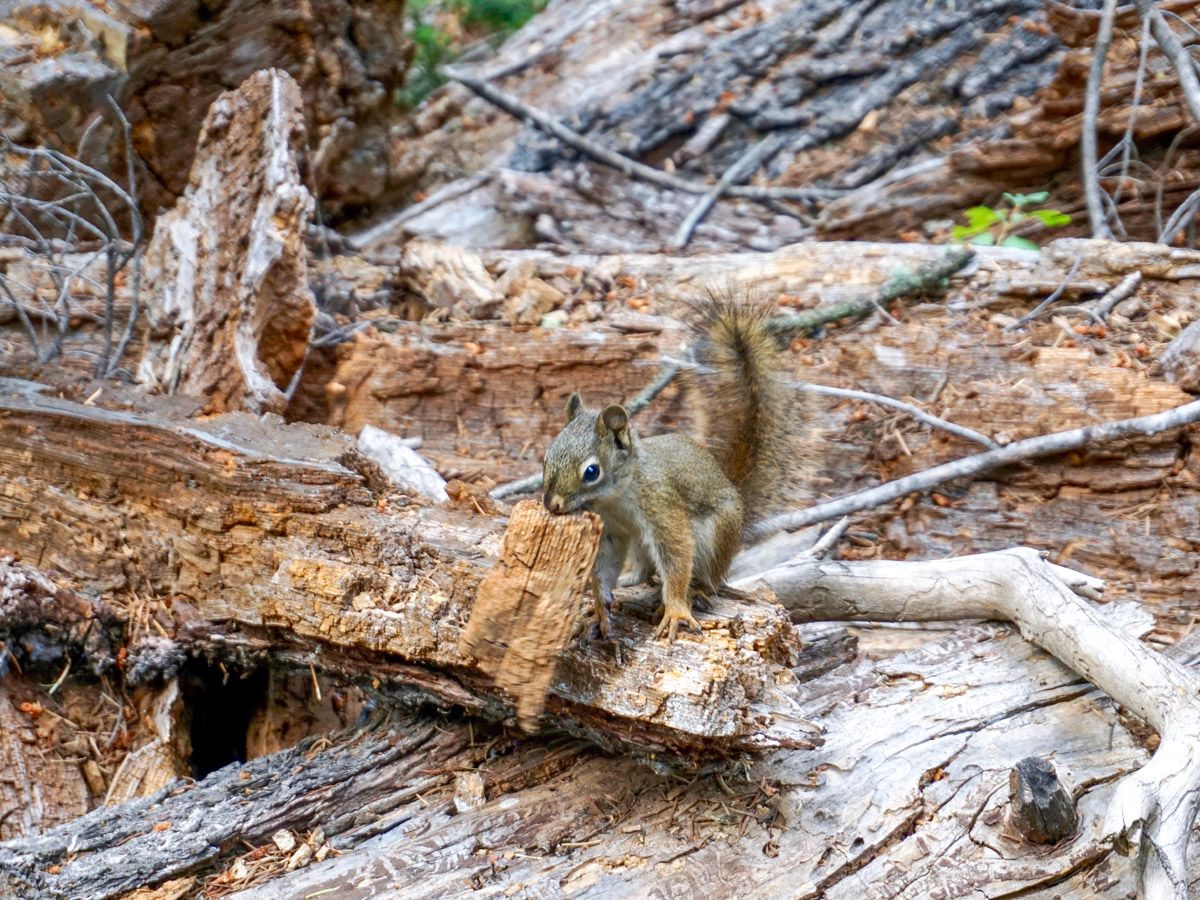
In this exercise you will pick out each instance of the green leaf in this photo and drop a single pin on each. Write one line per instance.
(983, 240)
(1037, 197)
(1051, 218)
(1019, 243)
(980, 217)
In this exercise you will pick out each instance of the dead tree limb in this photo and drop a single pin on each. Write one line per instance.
(970, 466)
(285, 539)
(514, 106)
(1091, 108)
(916, 412)
(1153, 810)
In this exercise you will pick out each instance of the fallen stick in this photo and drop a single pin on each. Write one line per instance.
(520, 109)
(743, 167)
(915, 411)
(1087, 139)
(1152, 811)
(969, 466)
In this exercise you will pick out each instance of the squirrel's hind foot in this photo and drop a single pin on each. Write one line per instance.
(671, 621)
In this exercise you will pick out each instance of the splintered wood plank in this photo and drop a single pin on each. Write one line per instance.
(528, 606)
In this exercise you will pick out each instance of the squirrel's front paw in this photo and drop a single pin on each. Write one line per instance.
(671, 621)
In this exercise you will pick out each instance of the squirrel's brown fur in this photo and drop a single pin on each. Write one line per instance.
(672, 504)
(754, 423)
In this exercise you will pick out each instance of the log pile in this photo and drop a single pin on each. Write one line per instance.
(187, 583)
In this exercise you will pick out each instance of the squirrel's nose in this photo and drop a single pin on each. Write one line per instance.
(552, 502)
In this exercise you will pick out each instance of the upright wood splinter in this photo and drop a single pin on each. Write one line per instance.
(530, 604)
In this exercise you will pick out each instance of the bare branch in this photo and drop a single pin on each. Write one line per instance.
(1045, 304)
(743, 167)
(1091, 108)
(1171, 47)
(541, 120)
(1123, 291)
(915, 411)
(1152, 810)
(970, 466)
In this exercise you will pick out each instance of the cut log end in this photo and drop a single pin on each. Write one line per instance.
(1043, 811)
(528, 606)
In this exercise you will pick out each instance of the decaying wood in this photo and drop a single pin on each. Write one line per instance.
(43, 623)
(267, 530)
(570, 820)
(909, 791)
(166, 63)
(230, 309)
(485, 414)
(528, 606)
(40, 789)
(144, 842)
(1181, 359)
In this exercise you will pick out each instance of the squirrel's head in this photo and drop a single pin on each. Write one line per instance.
(585, 462)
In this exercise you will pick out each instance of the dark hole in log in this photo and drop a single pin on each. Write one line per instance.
(218, 707)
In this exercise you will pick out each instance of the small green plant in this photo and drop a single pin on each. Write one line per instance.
(440, 29)
(987, 226)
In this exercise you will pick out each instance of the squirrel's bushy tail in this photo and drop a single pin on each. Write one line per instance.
(754, 422)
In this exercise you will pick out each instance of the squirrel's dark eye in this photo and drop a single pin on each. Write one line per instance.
(591, 473)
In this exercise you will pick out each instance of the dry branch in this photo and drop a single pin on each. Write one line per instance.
(970, 466)
(524, 111)
(1153, 810)
(1087, 139)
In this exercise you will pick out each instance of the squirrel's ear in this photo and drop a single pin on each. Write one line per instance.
(574, 405)
(615, 419)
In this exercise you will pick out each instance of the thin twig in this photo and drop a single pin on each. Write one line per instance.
(1123, 291)
(30, 331)
(1091, 108)
(828, 539)
(662, 378)
(928, 277)
(135, 216)
(915, 411)
(970, 466)
(1126, 144)
(1045, 304)
(444, 194)
(742, 168)
(1185, 67)
(547, 123)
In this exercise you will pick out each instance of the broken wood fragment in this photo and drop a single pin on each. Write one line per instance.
(1042, 809)
(227, 274)
(529, 605)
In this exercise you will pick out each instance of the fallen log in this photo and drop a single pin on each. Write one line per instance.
(889, 802)
(284, 537)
